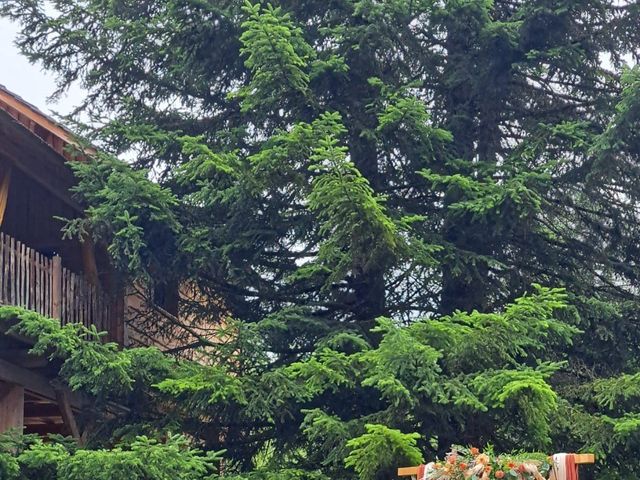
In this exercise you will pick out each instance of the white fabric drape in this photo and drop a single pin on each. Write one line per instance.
(564, 467)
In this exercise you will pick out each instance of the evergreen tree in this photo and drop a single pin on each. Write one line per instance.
(320, 166)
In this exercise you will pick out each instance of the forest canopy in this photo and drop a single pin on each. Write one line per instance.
(414, 222)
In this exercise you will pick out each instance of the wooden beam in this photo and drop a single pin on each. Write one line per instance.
(41, 410)
(44, 429)
(23, 358)
(69, 418)
(33, 382)
(48, 423)
(11, 407)
(89, 263)
(56, 287)
(407, 471)
(36, 116)
(584, 458)
(11, 373)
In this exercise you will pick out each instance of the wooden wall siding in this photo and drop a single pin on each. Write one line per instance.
(36, 282)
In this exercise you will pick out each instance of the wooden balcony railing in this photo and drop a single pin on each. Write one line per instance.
(34, 281)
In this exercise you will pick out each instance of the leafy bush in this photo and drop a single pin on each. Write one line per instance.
(31, 458)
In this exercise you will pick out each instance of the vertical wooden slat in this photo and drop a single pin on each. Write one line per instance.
(38, 285)
(65, 296)
(45, 276)
(34, 281)
(79, 297)
(72, 298)
(2, 275)
(69, 295)
(5, 276)
(25, 275)
(19, 274)
(75, 289)
(82, 299)
(17, 279)
(16, 270)
(48, 285)
(63, 301)
(89, 301)
(29, 283)
(93, 318)
(12, 271)
(56, 287)
(5, 269)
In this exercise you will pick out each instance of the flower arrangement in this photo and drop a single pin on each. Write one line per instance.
(468, 463)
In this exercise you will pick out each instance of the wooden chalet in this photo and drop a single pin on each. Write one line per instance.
(67, 279)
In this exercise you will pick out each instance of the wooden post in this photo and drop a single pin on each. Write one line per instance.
(89, 263)
(116, 329)
(56, 287)
(11, 407)
(62, 397)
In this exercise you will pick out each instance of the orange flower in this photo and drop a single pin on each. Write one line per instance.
(484, 459)
(487, 468)
(521, 468)
(474, 451)
(499, 474)
(463, 466)
(511, 465)
(452, 459)
(437, 466)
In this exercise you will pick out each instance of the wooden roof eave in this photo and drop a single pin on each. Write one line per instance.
(34, 115)
(36, 159)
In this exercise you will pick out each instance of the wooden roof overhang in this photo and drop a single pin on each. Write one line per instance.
(42, 125)
(36, 160)
(33, 143)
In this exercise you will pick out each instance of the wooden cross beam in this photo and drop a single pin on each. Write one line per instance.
(580, 459)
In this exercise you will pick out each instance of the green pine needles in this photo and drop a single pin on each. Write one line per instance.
(431, 378)
(363, 196)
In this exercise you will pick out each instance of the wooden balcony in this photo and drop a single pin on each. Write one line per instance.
(34, 281)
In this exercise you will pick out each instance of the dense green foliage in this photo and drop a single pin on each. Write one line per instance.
(372, 189)
(444, 379)
(31, 458)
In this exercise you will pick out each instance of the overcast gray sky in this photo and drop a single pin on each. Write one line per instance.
(26, 80)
